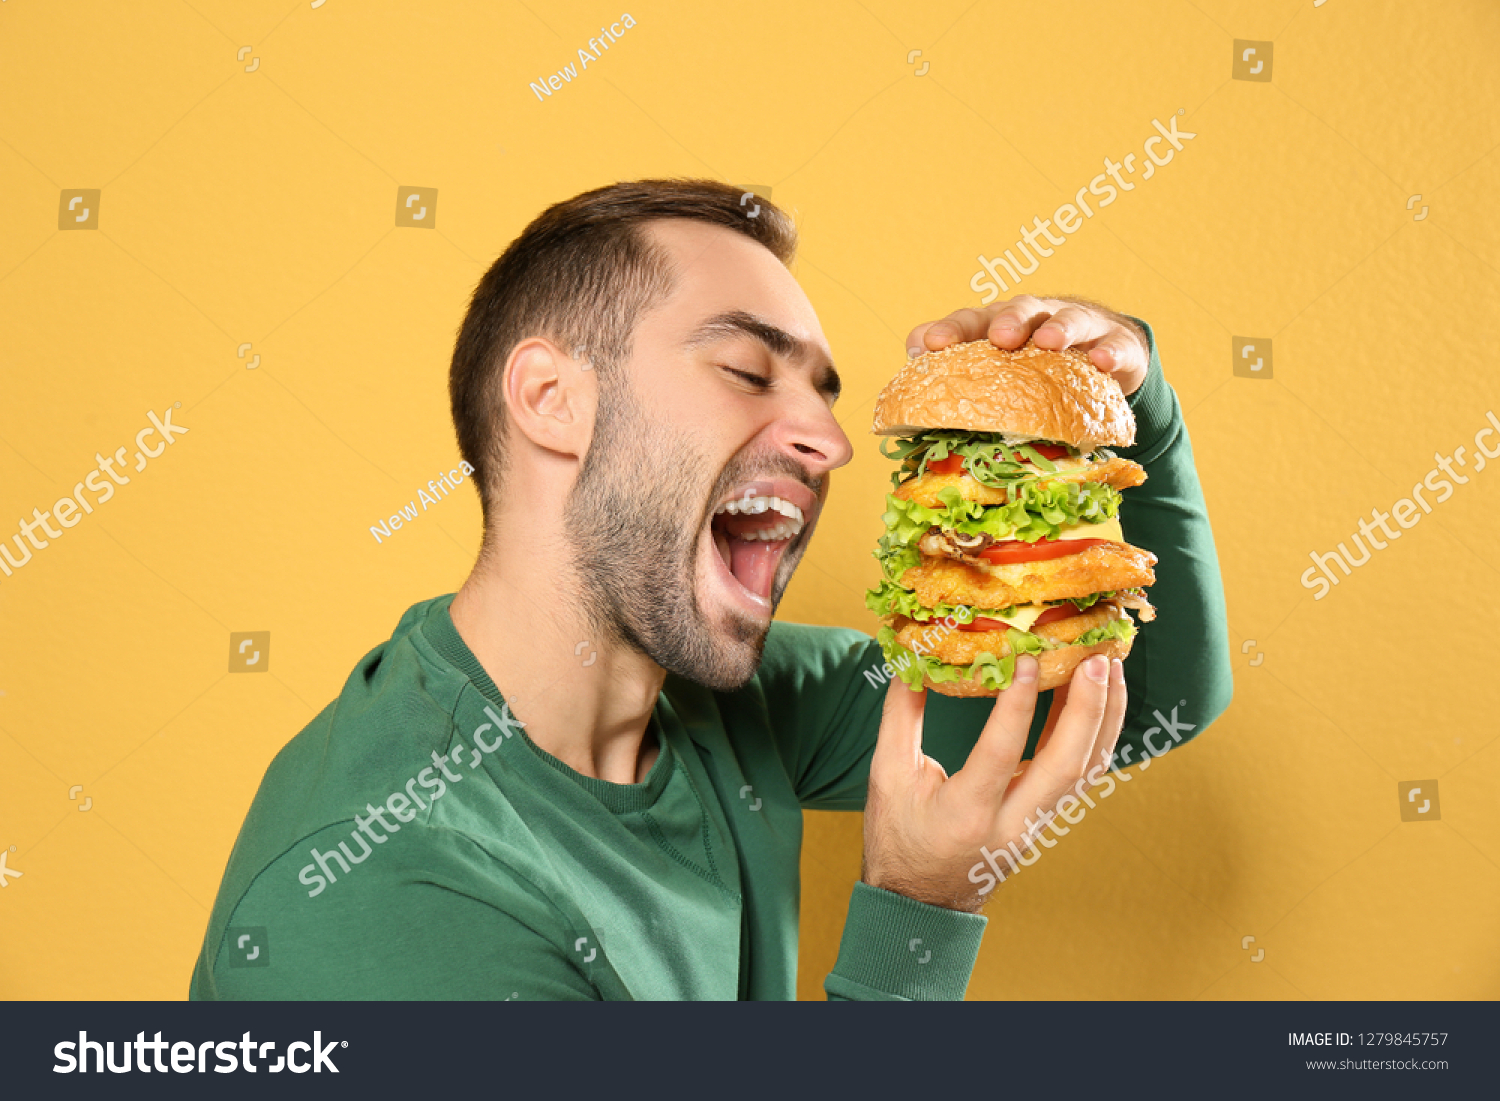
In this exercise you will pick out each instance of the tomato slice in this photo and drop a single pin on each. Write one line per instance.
(1049, 450)
(1053, 614)
(1014, 550)
(983, 623)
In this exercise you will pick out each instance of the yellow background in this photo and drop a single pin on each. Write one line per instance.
(258, 207)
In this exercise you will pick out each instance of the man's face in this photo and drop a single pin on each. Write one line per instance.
(705, 475)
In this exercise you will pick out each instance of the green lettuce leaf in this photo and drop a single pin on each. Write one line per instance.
(1083, 602)
(987, 457)
(1038, 512)
(1122, 629)
(896, 560)
(889, 598)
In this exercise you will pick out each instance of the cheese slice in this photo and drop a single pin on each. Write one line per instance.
(1025, 616)
(1109, 529)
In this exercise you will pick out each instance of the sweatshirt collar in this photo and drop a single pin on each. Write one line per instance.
(438, 629)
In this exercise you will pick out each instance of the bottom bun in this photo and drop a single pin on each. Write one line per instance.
(1056, 668)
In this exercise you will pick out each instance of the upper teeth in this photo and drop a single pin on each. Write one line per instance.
(752, 506)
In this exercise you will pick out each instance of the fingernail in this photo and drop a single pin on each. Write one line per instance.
(1025, 669)
(912, 353)
(1117, 671)
(1097, 668)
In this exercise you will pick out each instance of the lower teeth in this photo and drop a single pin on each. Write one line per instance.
(772, 535)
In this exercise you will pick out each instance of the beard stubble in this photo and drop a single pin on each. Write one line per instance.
(633, 520)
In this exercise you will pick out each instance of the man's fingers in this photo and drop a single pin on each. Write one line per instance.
(1118, 350)
(958, 326)
(899, 745)
(971, 324)
(1113, 342)
(992, 762)
(1070, 326)
(1059, 700)
(1114, 716)
(1052, 322)
(1056, 767)
(1012, 324)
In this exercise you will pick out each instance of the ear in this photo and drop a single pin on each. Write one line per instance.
(550, 396)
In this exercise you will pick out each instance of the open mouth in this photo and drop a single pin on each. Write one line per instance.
(751, 531)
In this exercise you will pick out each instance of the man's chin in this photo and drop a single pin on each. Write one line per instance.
(729, 675)
(739, 639)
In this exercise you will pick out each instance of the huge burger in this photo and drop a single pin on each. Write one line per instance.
(1002, 533)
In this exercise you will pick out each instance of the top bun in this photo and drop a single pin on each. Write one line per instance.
(978, 387)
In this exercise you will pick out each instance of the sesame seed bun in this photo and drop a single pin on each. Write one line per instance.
(1032, 392)
(1056, 668)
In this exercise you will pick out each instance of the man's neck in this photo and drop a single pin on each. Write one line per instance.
(583, 700)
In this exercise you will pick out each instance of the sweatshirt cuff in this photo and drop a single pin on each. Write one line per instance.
(1155, 407)
(898, 949)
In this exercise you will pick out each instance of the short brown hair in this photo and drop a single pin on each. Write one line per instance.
(581, 274)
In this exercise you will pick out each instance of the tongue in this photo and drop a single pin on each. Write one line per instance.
(754, 565)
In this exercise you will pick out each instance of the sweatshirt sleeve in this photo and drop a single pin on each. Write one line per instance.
(1178, 673)
(896, 949)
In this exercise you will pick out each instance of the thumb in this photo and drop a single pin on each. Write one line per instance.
(898, 750)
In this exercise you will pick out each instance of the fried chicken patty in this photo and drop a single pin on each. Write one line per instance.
(955, 647)
(1119, 473)
(1100, 568)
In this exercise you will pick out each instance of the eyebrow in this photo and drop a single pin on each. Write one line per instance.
(775, 339)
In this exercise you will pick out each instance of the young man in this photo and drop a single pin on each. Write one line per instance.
(583, 775)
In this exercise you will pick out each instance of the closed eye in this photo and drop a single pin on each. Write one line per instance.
(760, 382)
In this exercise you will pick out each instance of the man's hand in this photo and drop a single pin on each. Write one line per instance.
(923, 830)
(1115, 344)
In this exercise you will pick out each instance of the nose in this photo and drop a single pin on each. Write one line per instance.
(812, 436)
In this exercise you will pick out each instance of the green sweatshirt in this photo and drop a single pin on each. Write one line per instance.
(413, 842)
